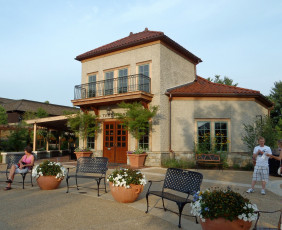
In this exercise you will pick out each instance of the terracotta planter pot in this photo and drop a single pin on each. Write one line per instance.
(223, 224)
(83, 154)
(48, 182)
(137, 160)
(126, 195)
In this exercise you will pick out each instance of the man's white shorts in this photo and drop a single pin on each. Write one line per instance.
(261, 173)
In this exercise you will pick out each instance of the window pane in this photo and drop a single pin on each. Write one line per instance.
(144, 141)
(109, 83)
(143, 81)
(92, 85)
(122, 81)
(204, 139)
(221, 138)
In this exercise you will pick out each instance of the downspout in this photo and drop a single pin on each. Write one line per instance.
(172, 154)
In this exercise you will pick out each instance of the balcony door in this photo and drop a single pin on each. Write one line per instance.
(115, 142)
(109, 83)
(122, 80)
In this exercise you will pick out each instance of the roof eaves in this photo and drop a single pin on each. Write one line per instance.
(91, 54)
(181, 49)
(168, 91)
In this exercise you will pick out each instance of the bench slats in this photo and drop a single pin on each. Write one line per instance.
(178, 180)
(97, 166)
(209, 159)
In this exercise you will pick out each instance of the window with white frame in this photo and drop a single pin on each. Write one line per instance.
(212, 135)
(92, 85)
(143, 79)
(90, 142)
(122, 80)
(91, 139)
(109, 83)
(144, 141)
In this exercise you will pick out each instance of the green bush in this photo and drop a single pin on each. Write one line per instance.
(177, 163)
(248, 167)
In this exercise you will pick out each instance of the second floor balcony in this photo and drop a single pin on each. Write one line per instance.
(132, 87)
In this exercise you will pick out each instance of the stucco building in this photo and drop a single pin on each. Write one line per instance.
(151, 68)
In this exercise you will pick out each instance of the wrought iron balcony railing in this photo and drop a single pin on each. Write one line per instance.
(131, 83)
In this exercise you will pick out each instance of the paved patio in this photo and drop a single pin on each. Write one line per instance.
(33, 208)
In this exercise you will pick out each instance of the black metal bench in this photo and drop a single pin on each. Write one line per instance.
(184, 181)
(96, 167)
(279, 225)
(208, 159)
(12, 159)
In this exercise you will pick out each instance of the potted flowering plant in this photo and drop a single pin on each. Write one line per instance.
(223, 209)
(83, 152)
(49, 174)
(137, 157)
(126, 184)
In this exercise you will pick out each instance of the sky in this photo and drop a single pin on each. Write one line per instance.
(39, 40)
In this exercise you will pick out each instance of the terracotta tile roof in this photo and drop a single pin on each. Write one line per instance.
(201, 87)
(140, 38)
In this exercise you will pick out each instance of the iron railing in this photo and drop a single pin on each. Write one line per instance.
(131, 83)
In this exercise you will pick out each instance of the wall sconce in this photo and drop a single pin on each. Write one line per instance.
(110, 112)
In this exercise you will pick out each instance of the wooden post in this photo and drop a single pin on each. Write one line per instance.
(34, 136)
(60, 142)
(47, 140)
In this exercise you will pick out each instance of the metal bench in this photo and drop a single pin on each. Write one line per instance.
(208, 159)
(279, 225)
(90, 168)
(12, 159)
(177, 180)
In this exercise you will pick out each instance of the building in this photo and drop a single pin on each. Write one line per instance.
(151, 68)
(16, 108)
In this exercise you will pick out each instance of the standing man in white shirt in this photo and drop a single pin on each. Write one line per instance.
(261, 170)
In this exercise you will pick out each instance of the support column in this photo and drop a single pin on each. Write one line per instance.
(47, 140)
(59, 141)
(34, 136)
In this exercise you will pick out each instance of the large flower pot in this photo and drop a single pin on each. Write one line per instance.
(83, 154)
(48, 182)
(223, 224)
(126, 195)
(137, 160)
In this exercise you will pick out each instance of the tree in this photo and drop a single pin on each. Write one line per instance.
(83, 125)
(3, 116)
(276, 97)
(225, 81)
(40, 113)
(18, 139)
(259, 127)
(136, 118)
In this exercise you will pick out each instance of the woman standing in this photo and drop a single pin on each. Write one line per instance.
(279, 143)
(279, 157)
(25, 163)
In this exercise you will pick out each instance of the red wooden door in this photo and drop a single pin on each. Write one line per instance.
(115, 142)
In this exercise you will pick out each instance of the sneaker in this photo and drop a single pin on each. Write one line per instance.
(262, 192)
(250, 190)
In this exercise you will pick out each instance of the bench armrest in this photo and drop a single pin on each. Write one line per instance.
(151, 182)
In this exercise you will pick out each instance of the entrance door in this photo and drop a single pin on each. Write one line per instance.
(115, 142)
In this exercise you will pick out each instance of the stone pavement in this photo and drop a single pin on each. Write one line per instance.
(33, 208)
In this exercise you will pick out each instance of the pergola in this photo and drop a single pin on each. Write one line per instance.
(58, 123)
